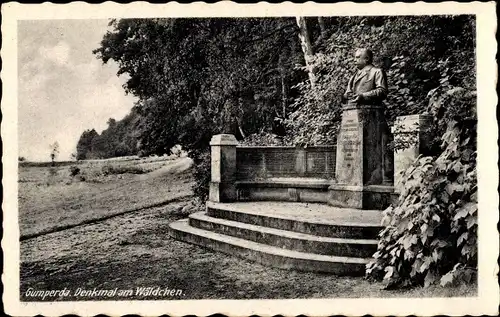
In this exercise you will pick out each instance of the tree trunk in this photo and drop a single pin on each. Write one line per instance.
(284, 96)
(243, 135)
(322, 27)
(305, 41)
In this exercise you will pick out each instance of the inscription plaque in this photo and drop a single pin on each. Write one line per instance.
(348, 149)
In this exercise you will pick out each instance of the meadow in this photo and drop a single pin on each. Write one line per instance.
(52, 198)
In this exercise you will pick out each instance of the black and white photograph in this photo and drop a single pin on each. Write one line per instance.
(250, 159)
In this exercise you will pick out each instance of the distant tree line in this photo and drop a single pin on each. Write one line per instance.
(118, 139)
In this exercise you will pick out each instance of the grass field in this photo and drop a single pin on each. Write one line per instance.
(133, 249)
(50, 198)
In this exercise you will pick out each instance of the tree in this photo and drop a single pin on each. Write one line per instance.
(305, 40)
(199, 77)
(54, 152)
(206, 75)
(119, 139)
(84, 148)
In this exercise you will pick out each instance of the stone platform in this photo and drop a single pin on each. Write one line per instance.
(288, 235)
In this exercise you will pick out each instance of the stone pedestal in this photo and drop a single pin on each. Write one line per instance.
(411, 138)
(223, 168)
(364, 167)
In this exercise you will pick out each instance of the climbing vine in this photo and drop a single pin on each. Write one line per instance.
(430, 235)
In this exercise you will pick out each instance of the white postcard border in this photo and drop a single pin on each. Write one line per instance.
(488, 290)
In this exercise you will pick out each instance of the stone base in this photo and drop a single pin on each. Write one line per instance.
(361, 197)
(222, 192)
(304, 190)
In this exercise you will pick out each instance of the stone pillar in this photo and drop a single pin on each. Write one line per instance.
(411, 138)
(223, 168)
(362, 159)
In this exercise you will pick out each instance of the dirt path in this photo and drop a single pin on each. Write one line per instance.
(134, 250)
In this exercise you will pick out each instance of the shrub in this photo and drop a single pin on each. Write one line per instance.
(51, 176)
(201, 173)
(263, 139)
(109, 169)
(74, 170)
(431, 234)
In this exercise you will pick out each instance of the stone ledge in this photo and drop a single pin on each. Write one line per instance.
(223, 139)
(366, 188)
(286, 183)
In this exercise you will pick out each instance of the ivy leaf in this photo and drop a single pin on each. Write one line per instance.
(471, 208)
(389, 272)
(423, 228)
(451, 188)
(447, 279)
(425, 264)
(416, 266)
(408, 255)
(409, 241)
(439, 243)
(436, 218)
(471, 221)
(436, 255)
(462, 238)
(430, 278)
(467, 209)
(457, 167)
(402, 225)
(473, 197)
(461, 213)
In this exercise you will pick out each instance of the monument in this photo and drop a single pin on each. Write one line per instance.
(364, 166)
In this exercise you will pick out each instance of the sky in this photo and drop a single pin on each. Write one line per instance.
(63, 89)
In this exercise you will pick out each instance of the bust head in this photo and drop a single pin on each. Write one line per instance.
(363, 57)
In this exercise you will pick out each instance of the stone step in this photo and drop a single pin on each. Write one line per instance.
(290, 240)
(314, 219)
(265, 254)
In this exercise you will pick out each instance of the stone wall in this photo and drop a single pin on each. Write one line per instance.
(309, 173)
(264, 162)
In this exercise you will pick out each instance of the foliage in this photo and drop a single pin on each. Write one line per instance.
(112, 169)
(54, 151)
(21, 159)
(431, 234)
(263, 139)
(201, 174)
(119, 139)
(84, 148)
(415, 64)
(74, 170)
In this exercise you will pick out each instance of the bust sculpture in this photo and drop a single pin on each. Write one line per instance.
(369, 84)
